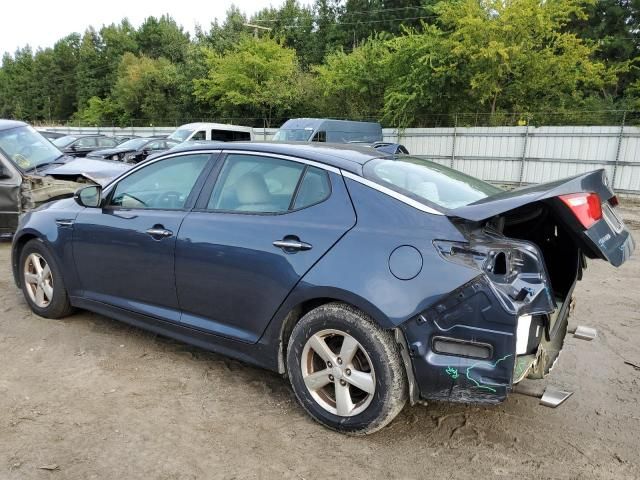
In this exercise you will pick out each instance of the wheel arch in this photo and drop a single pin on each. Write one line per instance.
(16, 250)
(298, 306)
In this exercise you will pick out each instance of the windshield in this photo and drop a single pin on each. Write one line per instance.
(27, 148)
(64, 141)
(181, 134)
(424, 180)
(293, 135)
(133, 144)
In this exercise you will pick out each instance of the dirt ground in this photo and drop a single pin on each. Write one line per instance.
(88, 397)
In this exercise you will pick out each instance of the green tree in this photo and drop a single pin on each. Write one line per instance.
(496, 56)
(614, 26)
(162, 37)
(146, 90)
(353, 85)
(258, 77)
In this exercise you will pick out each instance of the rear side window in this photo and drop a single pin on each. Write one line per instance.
(252, 183)
(106, 142)
(229, 135)
(258, 184)
(424, 180)
(314, 188)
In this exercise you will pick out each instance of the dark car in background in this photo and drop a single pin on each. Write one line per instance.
(49, 135)
(368, 279)
(125, 138)
(33, 172)
(79, 145)
(134, 150)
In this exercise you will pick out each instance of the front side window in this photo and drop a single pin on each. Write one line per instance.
(200, 135)
(320, 136)
(163, 185)
(424, 180)
(86, 142)
(252, 183)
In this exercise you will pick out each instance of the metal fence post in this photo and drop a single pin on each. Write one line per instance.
(453, 143)
(618, 148)
(524, 151)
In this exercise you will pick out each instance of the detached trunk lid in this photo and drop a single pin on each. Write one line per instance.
(607, 238)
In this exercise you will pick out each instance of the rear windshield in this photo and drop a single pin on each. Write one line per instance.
(425, 180)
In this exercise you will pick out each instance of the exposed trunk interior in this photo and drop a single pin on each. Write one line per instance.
(538, 223)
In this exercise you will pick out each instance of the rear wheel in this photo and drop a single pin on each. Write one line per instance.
(42, 283)
(346, 372)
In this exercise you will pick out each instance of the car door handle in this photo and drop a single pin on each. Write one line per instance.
(158, 232)
(292, 245)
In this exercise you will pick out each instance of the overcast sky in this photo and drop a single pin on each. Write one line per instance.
(40, 23)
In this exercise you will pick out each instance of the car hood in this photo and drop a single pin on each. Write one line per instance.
(98, 171)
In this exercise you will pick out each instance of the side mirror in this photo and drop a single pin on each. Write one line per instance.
(74, 147)
(90, 197)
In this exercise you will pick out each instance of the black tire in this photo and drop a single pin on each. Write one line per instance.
(59, 305)
(381, 349)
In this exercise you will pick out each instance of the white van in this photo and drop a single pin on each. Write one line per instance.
(219, 132)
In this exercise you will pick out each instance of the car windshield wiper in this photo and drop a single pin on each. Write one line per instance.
(35, 168)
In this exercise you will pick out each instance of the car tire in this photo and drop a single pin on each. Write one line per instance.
(42, 283)
(328, 385)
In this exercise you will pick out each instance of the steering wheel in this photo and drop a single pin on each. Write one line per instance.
(169, 199)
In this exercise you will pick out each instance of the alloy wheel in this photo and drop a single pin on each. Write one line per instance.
(338, 373)
(38, 280)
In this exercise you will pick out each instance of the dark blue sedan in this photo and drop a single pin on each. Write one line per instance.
(367, 279)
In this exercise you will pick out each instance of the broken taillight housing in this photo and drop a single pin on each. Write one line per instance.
(585, 206)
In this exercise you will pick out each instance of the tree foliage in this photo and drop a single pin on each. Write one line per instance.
(256, 76)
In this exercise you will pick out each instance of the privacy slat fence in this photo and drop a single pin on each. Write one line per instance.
(504, 155)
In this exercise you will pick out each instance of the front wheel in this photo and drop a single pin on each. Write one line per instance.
(42, 282)
(345, 371)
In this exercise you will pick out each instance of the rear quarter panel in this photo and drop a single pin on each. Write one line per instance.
(356, 270)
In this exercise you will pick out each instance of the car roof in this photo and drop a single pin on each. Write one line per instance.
(221, 126)
(79, 135)
(345, 156)
(7, 124)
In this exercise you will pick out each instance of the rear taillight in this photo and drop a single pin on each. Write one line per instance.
(585, 206)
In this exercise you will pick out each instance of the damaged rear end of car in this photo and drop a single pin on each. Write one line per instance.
(529, 248)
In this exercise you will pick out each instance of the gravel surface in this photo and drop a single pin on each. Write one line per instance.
(89, 397)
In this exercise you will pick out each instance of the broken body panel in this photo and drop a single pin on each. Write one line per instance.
(509, 322)
(22, 192)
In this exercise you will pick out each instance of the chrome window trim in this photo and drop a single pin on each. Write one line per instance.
(304, 161)
(143, 164)
(387, 191)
